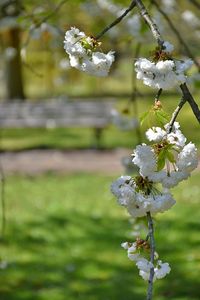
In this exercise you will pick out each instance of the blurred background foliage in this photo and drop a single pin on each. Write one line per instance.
(45, 66)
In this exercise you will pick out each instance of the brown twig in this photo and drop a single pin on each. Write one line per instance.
(157, 97)
(152, 255)
(154, 29)
(179, 37)
(118, 20)
(175, 113)
(189, 98)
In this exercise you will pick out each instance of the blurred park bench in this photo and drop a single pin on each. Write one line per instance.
(57, 113)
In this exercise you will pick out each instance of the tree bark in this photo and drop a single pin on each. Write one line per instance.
(13, 67)
(11, 44)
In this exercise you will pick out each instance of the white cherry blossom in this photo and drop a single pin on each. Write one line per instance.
(83, 55)
(165, 74)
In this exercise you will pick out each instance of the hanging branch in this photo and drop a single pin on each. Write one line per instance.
(179, 37)
(51, 14)
(185, 91)
(144, 13)
(118, 20)
(188, 96)
(152, 255)
(175, 113)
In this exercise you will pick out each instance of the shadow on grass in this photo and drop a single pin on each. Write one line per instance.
(78, 257)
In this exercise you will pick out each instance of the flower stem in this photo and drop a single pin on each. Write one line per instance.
(157, 97)
(152, 255)
(175, 114)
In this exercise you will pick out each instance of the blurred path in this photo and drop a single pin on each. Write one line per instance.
(39, 161)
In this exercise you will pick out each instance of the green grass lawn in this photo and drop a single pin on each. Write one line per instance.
(63, 241)
(64, 138)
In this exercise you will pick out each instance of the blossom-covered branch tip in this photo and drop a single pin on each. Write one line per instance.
(83, 55)
(163, 71)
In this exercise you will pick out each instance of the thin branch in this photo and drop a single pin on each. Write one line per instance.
(152, 255)
(179, 37)
(185, 91)
(46, 18)
(144, 13)
(118, 20)
(157, 97)
(175, 113)
(50, 15)
(187, 96)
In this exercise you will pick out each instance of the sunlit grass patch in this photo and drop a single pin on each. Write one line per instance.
(63, 241)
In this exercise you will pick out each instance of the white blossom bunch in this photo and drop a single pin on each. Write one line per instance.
(173, 159)
(163, 74)
(133, 251)
(137, 201)
(83, 55)
(167, 162)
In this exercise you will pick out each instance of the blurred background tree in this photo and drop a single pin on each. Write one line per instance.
(10, 10)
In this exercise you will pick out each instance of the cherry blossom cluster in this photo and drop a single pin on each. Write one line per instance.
(83, 55)
(163, 72)
(139, 195)
(162, 165)
(176, 158)
(144, 266)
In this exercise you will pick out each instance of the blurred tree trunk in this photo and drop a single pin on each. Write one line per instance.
(13, 68)
(13, 63)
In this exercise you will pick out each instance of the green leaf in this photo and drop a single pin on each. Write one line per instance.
(143, 117)
(161, 160)
(161, 118)
(164, 115)
(170, 157)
